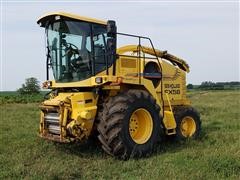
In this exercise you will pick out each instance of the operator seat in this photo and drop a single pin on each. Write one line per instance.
(85, 62)
(82, 65)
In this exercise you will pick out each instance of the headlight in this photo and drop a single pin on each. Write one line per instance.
(47, 84)
(98, 80)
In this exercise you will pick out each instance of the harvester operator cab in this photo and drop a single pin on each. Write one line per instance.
(76, 49)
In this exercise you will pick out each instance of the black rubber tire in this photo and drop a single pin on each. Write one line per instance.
(179, 113)
(114, 126)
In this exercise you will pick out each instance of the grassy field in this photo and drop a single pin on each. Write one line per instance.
(216, 155)
(7, 97)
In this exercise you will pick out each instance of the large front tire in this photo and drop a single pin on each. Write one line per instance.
(130, 125)
(188, 122)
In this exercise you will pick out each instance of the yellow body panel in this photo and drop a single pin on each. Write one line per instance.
(156, 52)
(169, 120)
(85, 83)
(75, 111)
(72, 16)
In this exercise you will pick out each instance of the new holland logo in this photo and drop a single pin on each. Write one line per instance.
(172, 88)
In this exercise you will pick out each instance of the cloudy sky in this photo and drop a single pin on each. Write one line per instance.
(206, 34)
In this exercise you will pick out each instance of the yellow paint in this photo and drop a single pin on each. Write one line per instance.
(83, 111)
(126, 65)
(169, 120)
(172, 76)
(86, 115)
(188, 126)
(150, 51)
(85, 83)
(79, 107)
(72, 16)
(56, 101)
(64, 121)
(140, 126)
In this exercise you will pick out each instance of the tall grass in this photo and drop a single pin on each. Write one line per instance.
(216, 155)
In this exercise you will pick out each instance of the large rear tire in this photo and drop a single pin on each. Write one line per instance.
(130, 125)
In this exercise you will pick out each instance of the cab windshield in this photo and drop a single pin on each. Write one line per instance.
(76, 49)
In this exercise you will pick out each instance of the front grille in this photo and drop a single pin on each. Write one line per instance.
(52, 122)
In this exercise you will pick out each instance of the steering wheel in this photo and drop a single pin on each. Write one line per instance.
(71, 50)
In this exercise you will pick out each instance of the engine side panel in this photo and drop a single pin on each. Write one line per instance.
(174, 84)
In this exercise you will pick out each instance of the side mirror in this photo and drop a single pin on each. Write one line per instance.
(111, 28)
(111, 46)
(111, 41)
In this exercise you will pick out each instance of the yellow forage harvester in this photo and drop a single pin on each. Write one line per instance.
(130, 97)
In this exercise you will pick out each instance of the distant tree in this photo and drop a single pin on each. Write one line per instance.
(190, 86)
(31, 86)
(207, 85)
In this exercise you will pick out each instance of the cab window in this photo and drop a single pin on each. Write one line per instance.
(99, 42)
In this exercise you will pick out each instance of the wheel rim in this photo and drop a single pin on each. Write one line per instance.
(188, 126)
(140, 126)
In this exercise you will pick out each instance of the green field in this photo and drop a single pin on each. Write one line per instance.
(7, 97)
(216, 155)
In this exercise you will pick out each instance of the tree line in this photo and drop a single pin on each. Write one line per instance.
(209, 85)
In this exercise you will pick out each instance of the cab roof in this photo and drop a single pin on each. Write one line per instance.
(46, 17)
